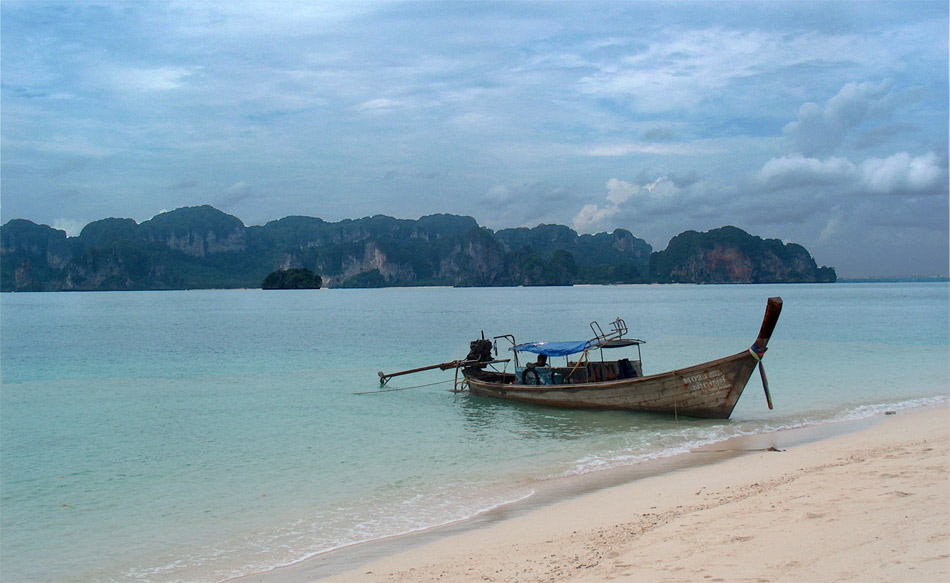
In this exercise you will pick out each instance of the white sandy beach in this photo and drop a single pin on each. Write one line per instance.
(867, 506)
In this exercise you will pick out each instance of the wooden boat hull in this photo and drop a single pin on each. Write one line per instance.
(709, 390)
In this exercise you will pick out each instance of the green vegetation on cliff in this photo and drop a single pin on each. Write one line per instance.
(730, 255)
(202, 247)
(617, 257)
(292, 279)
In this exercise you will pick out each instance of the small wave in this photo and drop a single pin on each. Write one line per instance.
(372, 530)
(864, 411)
(708, 436)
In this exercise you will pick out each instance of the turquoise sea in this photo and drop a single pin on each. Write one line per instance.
(201, 435)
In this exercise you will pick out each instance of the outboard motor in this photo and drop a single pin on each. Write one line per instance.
(480, 350)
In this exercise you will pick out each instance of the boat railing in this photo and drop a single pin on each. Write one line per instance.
(617, 329)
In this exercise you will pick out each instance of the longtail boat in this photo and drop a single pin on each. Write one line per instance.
(591, 381)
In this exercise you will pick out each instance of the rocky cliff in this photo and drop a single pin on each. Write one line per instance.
(32, 256)
(202, 247)
(730, 255)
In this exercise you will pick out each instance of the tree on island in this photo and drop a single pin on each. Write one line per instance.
(292, 279)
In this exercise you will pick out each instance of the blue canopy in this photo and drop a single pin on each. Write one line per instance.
(553, 348)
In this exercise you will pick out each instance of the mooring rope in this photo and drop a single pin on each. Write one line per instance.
(401, 388)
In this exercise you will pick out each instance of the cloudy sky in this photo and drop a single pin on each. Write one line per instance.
(822, 123)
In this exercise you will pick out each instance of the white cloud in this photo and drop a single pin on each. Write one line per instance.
(903, 174)
(822, 129)
(897, 174)
(619, 193)
(796, 170)
(72, 226)
(591, 216)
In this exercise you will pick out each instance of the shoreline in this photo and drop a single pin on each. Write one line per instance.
(363, 561)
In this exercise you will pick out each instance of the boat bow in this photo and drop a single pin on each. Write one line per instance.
(772, 311)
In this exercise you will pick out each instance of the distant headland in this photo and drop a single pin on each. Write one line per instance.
(202, 247)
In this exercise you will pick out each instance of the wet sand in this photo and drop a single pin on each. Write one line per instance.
(872, 504)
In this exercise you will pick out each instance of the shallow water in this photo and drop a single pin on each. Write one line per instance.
(199, 435)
